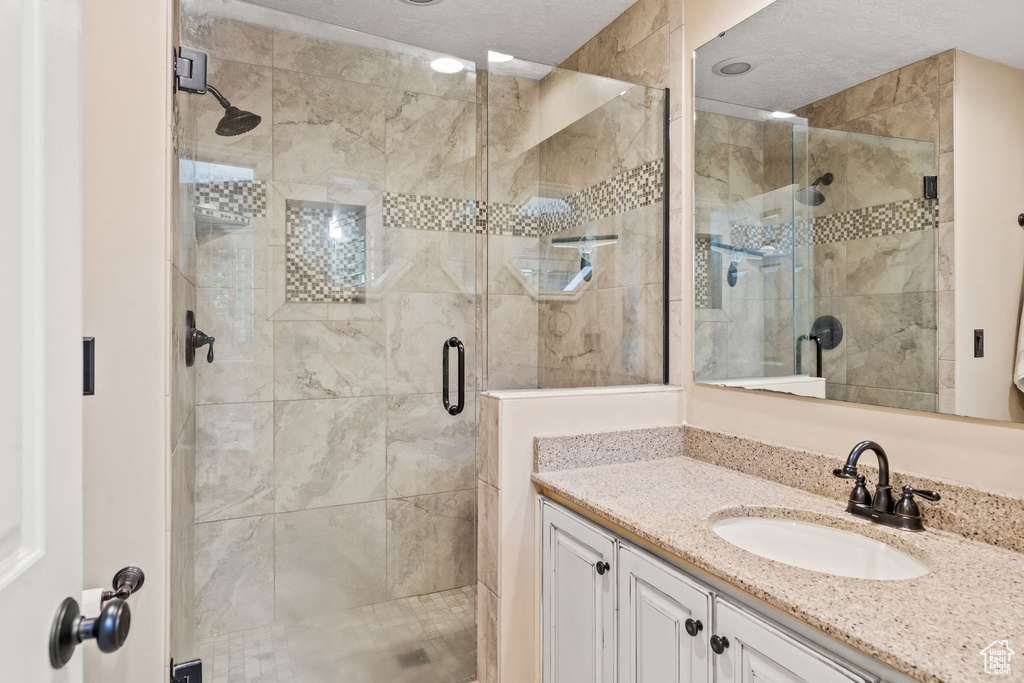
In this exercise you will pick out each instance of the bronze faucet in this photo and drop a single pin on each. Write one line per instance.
(880, 507)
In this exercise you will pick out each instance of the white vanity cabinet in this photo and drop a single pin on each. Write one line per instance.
(758, 651)
(663, 622)
(578, 589)
(614, 613)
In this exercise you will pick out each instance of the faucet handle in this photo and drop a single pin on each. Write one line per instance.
(860, 494)
(924, 493)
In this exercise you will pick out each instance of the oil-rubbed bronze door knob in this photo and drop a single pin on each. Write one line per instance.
(693, 627)
(602, 567)
(719, 644)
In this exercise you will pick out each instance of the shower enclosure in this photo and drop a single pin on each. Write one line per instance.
(324, 474)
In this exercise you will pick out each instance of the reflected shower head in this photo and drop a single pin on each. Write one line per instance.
(812, 196)
(235, 121)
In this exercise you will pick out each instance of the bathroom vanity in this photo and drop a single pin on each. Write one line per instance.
(644, 578)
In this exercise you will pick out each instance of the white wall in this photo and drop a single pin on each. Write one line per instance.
(989, 172)
(977, 452)
(125, 66)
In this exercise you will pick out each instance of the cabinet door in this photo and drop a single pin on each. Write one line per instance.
(577, 599)
(760, 653)
(655, 602)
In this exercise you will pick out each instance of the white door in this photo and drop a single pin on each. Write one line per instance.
(756, 652)
(664, 623)
(41, 341)
(578, 600)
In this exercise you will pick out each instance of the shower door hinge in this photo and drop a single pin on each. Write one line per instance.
(189, 672)
(931, 187)
(189, 70)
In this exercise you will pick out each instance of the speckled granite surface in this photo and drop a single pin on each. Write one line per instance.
(607, 448)
(985, 516)
(931, 628)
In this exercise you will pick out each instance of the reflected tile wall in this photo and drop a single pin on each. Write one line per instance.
(328, 474)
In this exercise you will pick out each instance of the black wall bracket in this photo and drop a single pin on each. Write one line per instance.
(89, 366)
(189, 672)
(189, 70)
(931, 187)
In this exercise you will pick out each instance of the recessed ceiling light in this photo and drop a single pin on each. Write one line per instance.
(732, 67)
(498, 57)
(782, 115)
(447, 65)
(422, 3)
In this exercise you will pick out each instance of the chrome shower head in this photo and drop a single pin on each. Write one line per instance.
(235, 121)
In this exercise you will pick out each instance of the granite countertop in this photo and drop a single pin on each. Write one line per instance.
(931, 628)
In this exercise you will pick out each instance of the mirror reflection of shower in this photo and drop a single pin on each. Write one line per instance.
(586, 244)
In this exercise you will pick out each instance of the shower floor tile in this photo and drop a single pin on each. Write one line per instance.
(423, 639)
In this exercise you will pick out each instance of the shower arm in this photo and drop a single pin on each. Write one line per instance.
(216, 93)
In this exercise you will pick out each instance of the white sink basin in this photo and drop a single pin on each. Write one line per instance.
(819, 548)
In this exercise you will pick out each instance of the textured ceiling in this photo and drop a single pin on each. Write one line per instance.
(804, 50)
(545, 31)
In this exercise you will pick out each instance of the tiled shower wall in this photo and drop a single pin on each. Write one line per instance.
(899, 286)
(882, 254)
(327, 475)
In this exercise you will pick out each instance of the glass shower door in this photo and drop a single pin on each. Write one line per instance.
(325, 499)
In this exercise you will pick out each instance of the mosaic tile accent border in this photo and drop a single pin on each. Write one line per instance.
(325, 253)
(702, 272)
(627, 191)
(246, 198)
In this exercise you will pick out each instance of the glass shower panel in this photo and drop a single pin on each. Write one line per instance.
(331, 504)
(576, 229)
(754, 248)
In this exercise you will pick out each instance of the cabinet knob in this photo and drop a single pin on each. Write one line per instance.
(719, 644)
(693, 627)
(603, 567)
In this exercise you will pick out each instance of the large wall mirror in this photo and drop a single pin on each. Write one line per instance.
(859, 173)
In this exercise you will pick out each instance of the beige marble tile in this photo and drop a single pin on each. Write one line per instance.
(223, 38)
(431, 145)
(234, 461)
(234, 256)
(830, 269)
(947, 387)
(429, 261)
(945, 255)
(513, 92)
(488, 619)
(778, 166)
(710, 127)
(329, 559)
(328, 132)
(836, 392)
(872, 96)
(891, 341)
(234, 575)
(778, 342)
(243, 367)
(946, 181)
(946, 334)
(428, 450)
(711, 350)
(675, 246)
(946, 64)
(746, 339)
(827, 153)
(184, 642)
(636, 259)
(248, 87)
(679, 67)
(892, 398)
(746, 173)
(410, 71)
(431, 542)
(487, 442)
(891, 264)
(333, 59)
(513, 156)
(746, 133)
(711, 171)
(512, 342)
(647, 63)
(569, 350)
(328, 360)
(946, 118)
(677, 363)
(630, 320)
(916, 119)
(488, 537)
(628, 30)
(885, 170)
(507, 254)
(278, 194)
(417, 325)
(828, 112)
(329, 452)
(917, 79)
